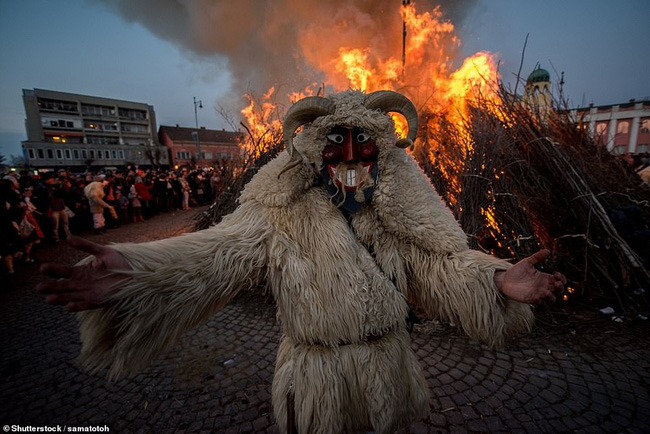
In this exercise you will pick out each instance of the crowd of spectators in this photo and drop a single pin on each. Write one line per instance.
(51, 206)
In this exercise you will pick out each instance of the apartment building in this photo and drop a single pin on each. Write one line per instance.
(81, 131)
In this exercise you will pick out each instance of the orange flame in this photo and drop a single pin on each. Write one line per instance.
(423, 71)
(263, 121)
(426, 76)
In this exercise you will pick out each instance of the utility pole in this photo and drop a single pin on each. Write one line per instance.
(404, 3)
(197, 104)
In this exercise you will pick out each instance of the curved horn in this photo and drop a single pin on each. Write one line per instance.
(302, 112)
(389, 101)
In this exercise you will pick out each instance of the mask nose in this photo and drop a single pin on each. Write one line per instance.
(349, 148)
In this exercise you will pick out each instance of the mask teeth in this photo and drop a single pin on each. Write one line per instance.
(351, 177)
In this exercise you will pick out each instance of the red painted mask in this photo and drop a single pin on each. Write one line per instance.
(349, 153)
(350, 166)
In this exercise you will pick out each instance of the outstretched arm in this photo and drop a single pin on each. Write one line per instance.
(486, 297)
(87, 286)
(524, 283)
(144, 296)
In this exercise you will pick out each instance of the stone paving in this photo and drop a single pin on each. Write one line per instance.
(577, 372)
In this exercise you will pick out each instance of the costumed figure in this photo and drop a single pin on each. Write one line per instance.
(344, 228)
(94, 192)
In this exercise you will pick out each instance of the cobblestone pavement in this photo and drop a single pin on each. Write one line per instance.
(576, 373)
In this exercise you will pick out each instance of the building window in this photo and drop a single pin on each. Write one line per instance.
(645, 126)
(183, 155)
(132, 128)
(92, 154)
(108, 155)
(67, 154)
(48, 104)
(100, 154)
(121, 153)
(40, 153)
(642, 148)
(75, 152)
(623, 127)
(59, 154)
(114, 155)
(102, 140)
(84, 154)
(50, 154)
(95, 110)
(132, 114)
(601, 127)
(31, 153)
(619, 150)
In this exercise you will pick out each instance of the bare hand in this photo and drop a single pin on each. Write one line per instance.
(85, 286)
(524, 283)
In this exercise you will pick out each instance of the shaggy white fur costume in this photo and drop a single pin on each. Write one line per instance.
(332, 294)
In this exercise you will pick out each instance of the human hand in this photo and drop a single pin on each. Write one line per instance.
(86, 286)
(524, 283)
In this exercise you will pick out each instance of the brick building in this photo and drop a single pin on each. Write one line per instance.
(202, 147)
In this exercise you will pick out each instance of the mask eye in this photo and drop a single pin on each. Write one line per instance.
(335, 138)
(362, 137)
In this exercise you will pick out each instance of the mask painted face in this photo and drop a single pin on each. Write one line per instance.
(350, 166)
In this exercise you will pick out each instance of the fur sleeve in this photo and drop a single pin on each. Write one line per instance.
(459, 287)
(176, 284)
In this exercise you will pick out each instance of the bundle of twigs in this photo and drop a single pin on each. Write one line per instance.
(519, 180)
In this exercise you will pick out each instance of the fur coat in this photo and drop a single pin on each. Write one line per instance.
(94, 192)
(341, 287)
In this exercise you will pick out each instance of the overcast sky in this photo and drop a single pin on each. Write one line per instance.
(95, 48)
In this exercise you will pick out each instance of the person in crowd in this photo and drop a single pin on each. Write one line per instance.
(42, 199)
(144, 196)
(82, 218)
(25, 180)
(30, 209)
(159, 192)
(60, 215)
(122, 207)
(136, 204)
(186, 190)
(10, 242)
(111, 199)
(176, 198)
(95, 194)
(19, 233)
(201, 188)
(215, 184)
(120, 182)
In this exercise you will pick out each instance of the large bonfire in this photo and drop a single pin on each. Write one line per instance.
(517, 180)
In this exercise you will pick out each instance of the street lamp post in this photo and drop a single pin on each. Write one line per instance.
(197, 104)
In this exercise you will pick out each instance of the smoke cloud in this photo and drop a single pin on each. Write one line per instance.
(284, 43)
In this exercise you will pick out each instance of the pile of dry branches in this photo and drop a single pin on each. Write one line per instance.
(519, 180)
